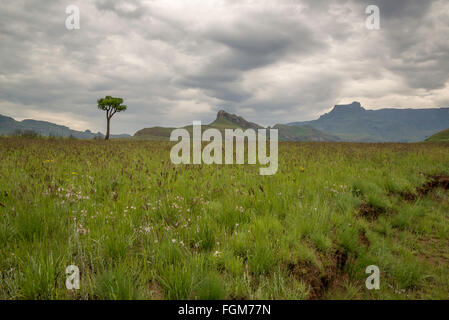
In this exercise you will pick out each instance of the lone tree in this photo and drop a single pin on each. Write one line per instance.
(111, 105)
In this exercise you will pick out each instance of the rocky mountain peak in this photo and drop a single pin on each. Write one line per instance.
(223, 115)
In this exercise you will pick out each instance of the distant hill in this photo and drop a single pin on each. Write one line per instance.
(226, 120)
(303, 133)
(9, 126)
(154, 133)
(440, 136)
(354, 123)
(223, 121)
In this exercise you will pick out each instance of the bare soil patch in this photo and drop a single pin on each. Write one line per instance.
(156, 291)
(434, 182)
(321, 281)
(434, 250)
(370, 212)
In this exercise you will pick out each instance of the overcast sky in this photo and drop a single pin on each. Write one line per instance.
(177, 61)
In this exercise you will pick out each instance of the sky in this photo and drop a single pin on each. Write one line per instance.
(176, 61)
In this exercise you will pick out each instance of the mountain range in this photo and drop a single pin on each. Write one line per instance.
(352, 122)
(349, 122)
(226, 120)
(9, 126)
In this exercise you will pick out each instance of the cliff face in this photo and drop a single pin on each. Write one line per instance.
(345, 110)
(223, 116)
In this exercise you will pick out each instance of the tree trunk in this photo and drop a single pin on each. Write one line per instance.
(108, 128)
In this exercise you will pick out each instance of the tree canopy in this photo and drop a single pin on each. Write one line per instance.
(111, 105)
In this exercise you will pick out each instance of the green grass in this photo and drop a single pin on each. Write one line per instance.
(442, 136)
(139, 227)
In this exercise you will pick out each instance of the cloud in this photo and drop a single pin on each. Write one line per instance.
(178, 61)
(123, 8)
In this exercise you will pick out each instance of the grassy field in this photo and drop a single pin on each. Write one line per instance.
(139, 227)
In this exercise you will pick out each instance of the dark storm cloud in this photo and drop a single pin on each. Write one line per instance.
(259, 41)
(178, 61)
(399, 9)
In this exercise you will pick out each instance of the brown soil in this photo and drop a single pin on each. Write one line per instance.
(434, 182)
(321, 281)
(156, 291)
(311, 274)
(433, 250)
(369, 211)
(438, 181)
(408, 196)
(363, 239)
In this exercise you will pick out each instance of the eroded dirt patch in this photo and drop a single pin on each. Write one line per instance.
(370, 212)
(156, 291)
(434, 182)
(320, 281)
(437, 181)
(311, 274)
